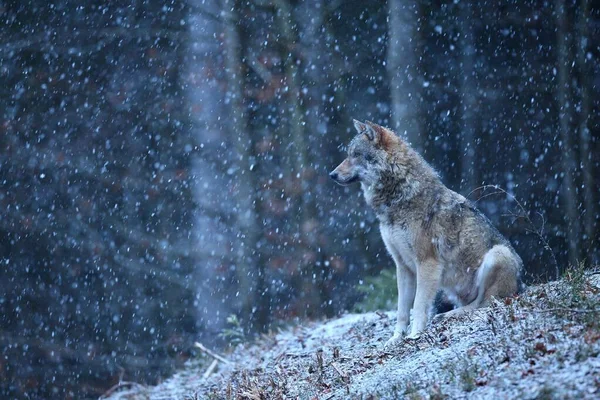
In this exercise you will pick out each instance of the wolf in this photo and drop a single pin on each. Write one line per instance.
(436, 237)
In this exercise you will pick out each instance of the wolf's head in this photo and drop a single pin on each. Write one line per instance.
(372, 151)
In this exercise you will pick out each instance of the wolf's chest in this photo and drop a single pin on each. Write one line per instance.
(399, 243)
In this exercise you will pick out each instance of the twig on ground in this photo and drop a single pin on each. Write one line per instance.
(210, 369)
(428, 338)
(253, 395)
(381, 315)
(344, 375)
(296, 355)
(565, 309)
(211, 353)
(320, 359)
(412, 342)
(121, 385)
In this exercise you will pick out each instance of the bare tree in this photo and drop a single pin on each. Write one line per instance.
(250, 265)
(292, 78)
(585, 153)
(402, 68)
(568, 157)
(468, 96)
(303, 165)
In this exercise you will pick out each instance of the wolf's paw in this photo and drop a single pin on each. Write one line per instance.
(394, 340)
(413, 336)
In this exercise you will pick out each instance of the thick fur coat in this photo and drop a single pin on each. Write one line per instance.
(437, 238)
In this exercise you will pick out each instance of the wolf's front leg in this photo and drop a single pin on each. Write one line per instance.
(428, 282)
(406, 283)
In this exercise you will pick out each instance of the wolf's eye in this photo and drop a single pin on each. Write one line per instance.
(368, 157)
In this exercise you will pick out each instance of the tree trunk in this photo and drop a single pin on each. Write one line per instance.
(468, 94)
(402, 68)
(303, 166)
(250, 265)
(569, 163)
(295, 113)
(585, 154)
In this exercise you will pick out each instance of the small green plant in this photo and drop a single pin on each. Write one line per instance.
(584, 352)
(546, 393)
(575, 278)
(468, 376)
(234, 333)
(579, 301)
(411, 392)
(379, 292)
(436, 393)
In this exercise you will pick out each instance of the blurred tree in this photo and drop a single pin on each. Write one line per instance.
(301, 163)
(94, 183)
(163, 165)
(469, 93)
(250, 265)
(568, 157)
(405, 75)
(590, 215)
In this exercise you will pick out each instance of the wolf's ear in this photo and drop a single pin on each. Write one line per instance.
(381, 136)
(366, 129)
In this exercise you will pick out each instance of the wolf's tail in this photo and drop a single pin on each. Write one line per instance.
(499, 275)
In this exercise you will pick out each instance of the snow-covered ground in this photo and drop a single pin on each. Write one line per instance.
(543, 345)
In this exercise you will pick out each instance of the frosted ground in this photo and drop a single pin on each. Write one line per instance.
(543, 345)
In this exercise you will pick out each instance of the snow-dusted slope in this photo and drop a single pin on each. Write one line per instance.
(546, 344)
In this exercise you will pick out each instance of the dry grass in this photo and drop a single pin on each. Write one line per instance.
(544, 344)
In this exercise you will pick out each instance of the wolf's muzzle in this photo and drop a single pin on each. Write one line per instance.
(336, 177)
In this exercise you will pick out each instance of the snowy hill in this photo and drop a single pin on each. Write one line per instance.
(545, 344)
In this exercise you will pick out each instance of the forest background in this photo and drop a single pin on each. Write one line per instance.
(163, 164)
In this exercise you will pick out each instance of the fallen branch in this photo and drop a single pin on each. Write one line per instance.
(564, 309)
(343, 375)
(210, 369)
(212, 353)
(296, 355)
(381, 315)
(121, 385)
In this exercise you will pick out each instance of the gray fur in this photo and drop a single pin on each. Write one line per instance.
(437, 238)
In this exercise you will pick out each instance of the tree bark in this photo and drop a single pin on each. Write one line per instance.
(468, 94)
(403, 71)
(295, 112)
(303, 166)
(568, 160)
(250, 265)
(585, 154)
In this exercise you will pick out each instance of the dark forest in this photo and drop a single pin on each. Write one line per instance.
(164, 164)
